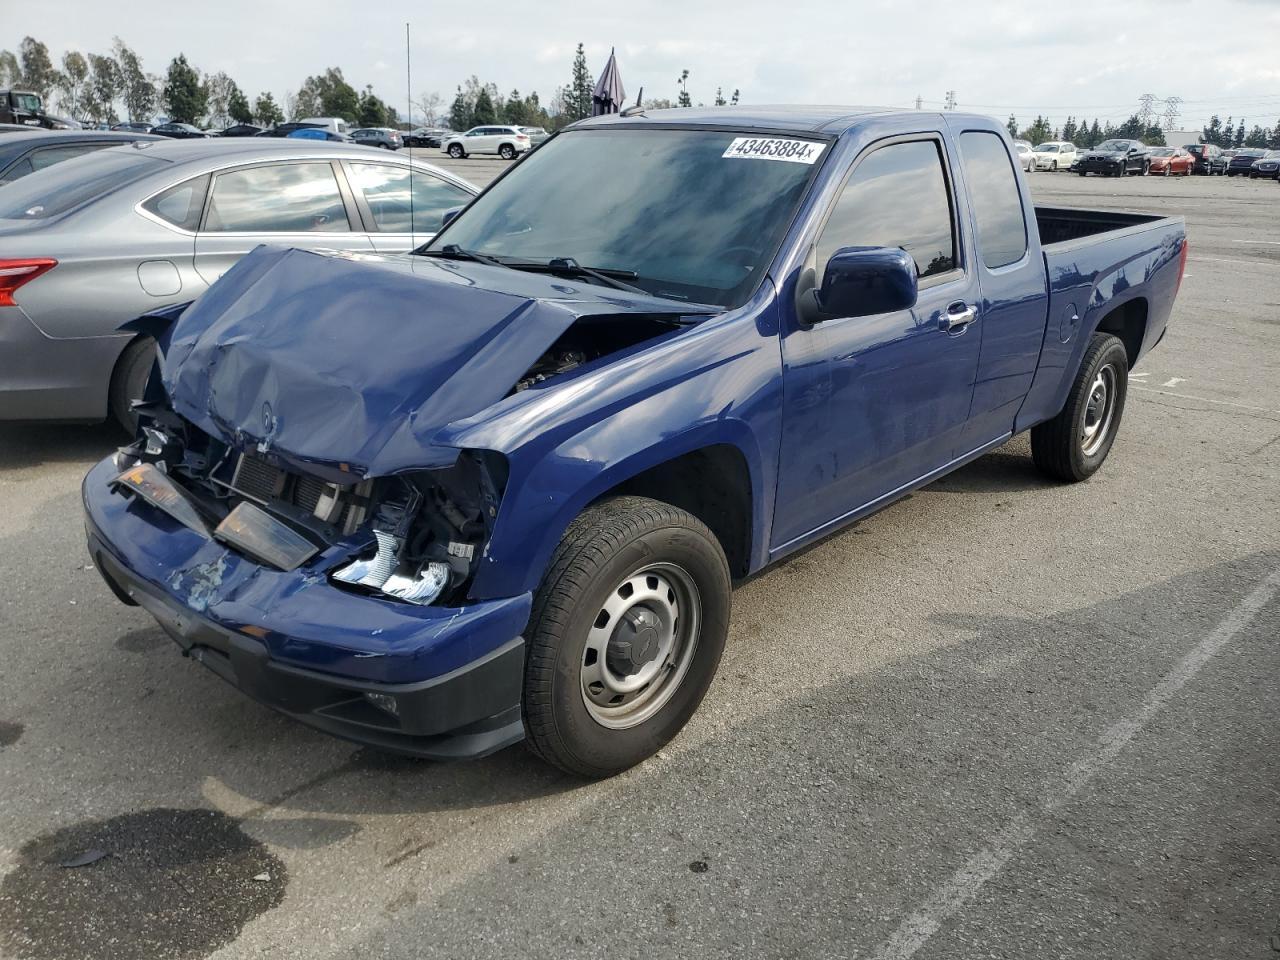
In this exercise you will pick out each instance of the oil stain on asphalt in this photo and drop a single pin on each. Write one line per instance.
(10, 733)
(172, 885)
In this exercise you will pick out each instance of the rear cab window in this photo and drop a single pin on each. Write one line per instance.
(995, 199)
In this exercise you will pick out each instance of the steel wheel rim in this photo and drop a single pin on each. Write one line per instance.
(655, 610)
(1099, 411)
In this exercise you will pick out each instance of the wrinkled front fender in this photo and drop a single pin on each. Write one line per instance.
(570, 444)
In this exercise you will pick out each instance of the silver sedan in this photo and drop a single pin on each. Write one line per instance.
(95, 242)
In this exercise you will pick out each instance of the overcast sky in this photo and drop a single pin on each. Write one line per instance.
(1087, 57)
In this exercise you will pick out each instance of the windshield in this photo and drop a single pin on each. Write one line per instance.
(70, 184)
(1113, 146)
(1047, 148)
(27, 102)
(1248, 153)
(665, 205)
(1162, 152)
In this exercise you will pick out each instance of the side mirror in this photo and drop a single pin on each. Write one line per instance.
(861, 282)
(449, 216)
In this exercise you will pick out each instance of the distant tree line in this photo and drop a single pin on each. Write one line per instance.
(1236, 135)
(1085, 134)
(104, 88)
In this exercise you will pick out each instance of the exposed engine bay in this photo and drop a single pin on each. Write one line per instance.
(414, 537)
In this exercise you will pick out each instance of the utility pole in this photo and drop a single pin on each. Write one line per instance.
(919, 102)
(951, 100)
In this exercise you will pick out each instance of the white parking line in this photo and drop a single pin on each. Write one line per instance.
(1258, 263)
(949, 898)
(1274, 243)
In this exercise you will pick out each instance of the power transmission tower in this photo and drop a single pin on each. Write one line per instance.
(1145, 111)
(919, 101)
(1172, 107)
(951, 100)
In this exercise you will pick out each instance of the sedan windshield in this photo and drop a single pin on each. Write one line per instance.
(670, 211)
(1162, 152)
(1113, 146)
(1047, 148)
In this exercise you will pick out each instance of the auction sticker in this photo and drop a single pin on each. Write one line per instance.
(774, 148)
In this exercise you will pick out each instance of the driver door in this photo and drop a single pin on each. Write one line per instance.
(875, 403)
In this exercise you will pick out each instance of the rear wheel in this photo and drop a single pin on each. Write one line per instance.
(625, 635)
(506, 151)
(1073, 445)
(128, 381)
(456, 151)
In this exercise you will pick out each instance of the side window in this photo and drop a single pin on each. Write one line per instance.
(896, 197)
(180, 205)
(281, 198)
(51, 155)
(386, 190)
(995, 198)
(19, 169)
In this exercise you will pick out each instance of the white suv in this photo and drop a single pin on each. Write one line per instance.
(1055, 155)
(506, 142)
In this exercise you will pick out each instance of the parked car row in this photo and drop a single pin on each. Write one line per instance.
(1122, 157)
(100, 239)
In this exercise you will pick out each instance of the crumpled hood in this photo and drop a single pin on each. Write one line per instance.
(356, 361)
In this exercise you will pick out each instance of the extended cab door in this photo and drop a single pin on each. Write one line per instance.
(299, 203)
(400, 219)
(1011, 274)
(873, 403)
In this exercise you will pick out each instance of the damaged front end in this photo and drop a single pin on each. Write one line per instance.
(413, 537)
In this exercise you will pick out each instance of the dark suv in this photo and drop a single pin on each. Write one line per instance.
(1208, 159)
(383, 137)
(1241, 164)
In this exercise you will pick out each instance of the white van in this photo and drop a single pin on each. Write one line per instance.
(332, 124)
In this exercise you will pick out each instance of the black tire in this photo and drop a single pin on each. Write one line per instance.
(507, 152)
(602, 548)
(128, 380)
(455, 150)
(1059, 446)
(1084, 173)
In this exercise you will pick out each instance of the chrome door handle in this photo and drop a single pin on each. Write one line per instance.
(957, 316)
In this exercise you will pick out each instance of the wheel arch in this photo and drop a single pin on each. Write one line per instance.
(1128, 321)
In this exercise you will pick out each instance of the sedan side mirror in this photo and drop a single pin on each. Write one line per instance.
(449, 216)
(861, 282)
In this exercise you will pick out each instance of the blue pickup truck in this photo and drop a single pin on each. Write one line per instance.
(499, 489)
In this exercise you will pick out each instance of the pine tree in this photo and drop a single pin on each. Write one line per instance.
(1238, 140)
(1069, 130)
(484, 112)
(460, 115)
(238, 108)
(1274, 142)
(266, 112)
(185, 97)
(1012, 126)
(580, 87)
(734, 99)
(1095, 134)
(1213, 132)
(684, 100)
(1257, 137)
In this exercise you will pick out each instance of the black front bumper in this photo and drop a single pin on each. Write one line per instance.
(470, 712)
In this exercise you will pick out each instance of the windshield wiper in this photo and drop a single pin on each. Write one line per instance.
(451, 251)
(571, 267)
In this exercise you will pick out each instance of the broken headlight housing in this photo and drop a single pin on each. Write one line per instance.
(429, 530)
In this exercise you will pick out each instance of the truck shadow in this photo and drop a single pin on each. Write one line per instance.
(25, 445)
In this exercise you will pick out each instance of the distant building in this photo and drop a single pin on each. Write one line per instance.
(1180, 138)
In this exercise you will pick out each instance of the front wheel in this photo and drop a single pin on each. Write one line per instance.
(129, 380)
(1073, 445)
(1054, 168)
(625, 636)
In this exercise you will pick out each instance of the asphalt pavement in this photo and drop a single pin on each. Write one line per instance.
(1003, 718)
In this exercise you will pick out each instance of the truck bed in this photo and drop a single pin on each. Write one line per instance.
(1062, 224)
